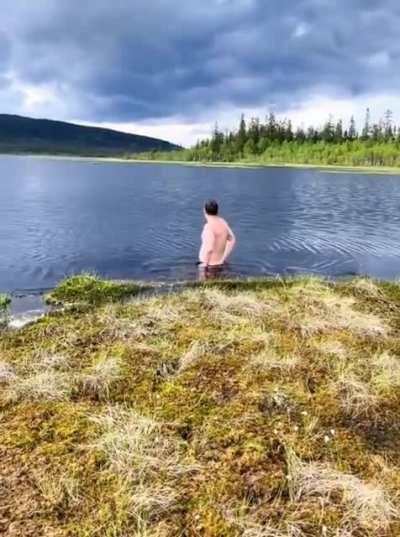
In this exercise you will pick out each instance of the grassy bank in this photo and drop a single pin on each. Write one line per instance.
(243, 163)
(264, 408)
(248, 163)
(345, 154)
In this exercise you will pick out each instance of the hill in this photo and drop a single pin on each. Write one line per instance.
(265, 408)
(26, 135)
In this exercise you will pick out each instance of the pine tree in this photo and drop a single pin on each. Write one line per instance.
(289, 131)
(376, 132)
(271, 127)
(241, 138)
(254, 129)
(388, 125)
(352, 129)
(366, 129)
(328, 131)
(339, 131)
(217, 140)
(300, 135)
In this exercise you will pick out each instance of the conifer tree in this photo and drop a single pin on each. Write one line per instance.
(242, 135)
(367, 128)
(352, 129)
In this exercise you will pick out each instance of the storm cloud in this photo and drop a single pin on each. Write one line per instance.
(128, 61)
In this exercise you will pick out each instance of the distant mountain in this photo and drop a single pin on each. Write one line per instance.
(26, 135)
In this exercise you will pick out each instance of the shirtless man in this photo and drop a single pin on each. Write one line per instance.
(218, 240)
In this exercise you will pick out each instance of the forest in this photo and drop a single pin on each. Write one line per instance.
(277, 141)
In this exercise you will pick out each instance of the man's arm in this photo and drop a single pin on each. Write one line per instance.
(230, 244)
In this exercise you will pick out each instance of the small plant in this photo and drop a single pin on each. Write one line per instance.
(5, 302)
(91, 289)
(98, 381)
(44, 385)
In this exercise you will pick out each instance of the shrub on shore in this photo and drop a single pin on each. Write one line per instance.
(5, 302)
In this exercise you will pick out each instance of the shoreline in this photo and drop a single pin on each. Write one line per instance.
(330, 168)
(31, 306)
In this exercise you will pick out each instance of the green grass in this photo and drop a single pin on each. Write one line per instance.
(90, 289)
(258, 408)
(5, 302)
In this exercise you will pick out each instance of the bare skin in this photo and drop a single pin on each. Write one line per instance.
(218, 241)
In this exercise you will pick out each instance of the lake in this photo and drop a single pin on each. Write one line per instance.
(123, 220)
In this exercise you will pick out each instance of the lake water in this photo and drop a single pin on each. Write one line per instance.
(60, 217)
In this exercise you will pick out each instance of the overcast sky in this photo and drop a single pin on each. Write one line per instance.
(171, 68)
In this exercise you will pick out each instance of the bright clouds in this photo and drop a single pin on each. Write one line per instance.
(171, 68)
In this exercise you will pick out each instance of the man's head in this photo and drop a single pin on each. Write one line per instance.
(211, 207)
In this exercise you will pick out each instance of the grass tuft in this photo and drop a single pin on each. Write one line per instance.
(45, 385)
(385, 372)
(7, 373)
(356, 397)
(98, 380)
(59, 491)
(91, 289)
(366, 505)
(270, 360)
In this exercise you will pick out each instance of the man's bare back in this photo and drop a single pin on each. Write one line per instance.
(218, 240)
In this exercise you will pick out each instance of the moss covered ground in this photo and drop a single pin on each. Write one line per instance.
(88, 288)
(235, 408)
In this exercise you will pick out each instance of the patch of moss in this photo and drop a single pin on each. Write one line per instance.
(91, 289)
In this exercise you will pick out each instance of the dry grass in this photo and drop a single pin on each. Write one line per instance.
(135, 445)
(333, 347)
(356, 397)
(385, 372)
(366, 505)
(7, 373)
(152, 500)
(100, 378)
(319, 308)
(195, 352)
(54, 362)
(59, 491)
(239, 307)
(139, 451)
(367, 286)
(249, 528)
(119, 327)
(270, 360)
(45, 385)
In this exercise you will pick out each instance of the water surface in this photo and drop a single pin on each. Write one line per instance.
(124, 220)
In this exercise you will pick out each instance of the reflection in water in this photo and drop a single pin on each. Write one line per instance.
(144, 221)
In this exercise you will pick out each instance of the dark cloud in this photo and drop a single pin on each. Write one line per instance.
(127, 60)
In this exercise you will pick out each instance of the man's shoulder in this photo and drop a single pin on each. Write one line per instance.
(224, 222)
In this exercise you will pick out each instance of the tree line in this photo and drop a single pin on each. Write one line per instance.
(256, 137)
(277, 141)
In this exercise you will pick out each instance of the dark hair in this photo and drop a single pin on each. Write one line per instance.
(211, 207)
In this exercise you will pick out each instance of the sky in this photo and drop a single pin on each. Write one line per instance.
(173, 68)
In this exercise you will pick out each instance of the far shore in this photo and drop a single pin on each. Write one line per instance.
(330, 168)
